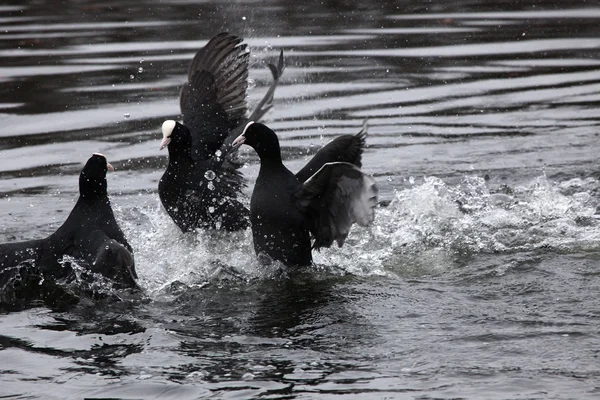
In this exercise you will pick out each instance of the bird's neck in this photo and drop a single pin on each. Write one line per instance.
(271, 162)
(272, 170)
(92, 187)
(269, 153)
(86, 213)
(100, 201)
(94, 195)
(178, 154)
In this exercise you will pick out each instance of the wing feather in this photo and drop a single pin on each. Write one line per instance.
(345, 148)
(213, 101)
(334, 198)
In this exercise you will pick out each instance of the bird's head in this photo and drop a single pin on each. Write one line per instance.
(175, 135)
(262, 139)
(92, 179)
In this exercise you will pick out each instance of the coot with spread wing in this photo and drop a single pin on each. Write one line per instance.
(201, 184)
(321, 201)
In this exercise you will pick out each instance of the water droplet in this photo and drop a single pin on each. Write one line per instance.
(211, 209)
(126, 115)
(141, 61)
(243, 18)
(411, 180)
(210, 175)
(131, 76)
(210, 186)
(196, 374)
(140, 70)
(218, 153)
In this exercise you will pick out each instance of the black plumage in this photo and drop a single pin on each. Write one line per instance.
(321, 201)
(201, 184)
(90, 234)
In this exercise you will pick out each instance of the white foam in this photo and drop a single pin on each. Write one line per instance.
(422, 231)
(165, 256)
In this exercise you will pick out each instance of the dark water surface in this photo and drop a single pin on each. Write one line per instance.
(480, 278)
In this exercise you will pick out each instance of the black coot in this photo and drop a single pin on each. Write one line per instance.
(200, 186)
(322, 200)
(90, 234)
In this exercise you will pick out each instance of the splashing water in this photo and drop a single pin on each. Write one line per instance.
(426, 226)
(82, 279)
(26, 282)
(166, 257)
(210, 175)
(423, 229)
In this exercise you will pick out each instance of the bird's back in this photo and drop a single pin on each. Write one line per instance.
(11, 254)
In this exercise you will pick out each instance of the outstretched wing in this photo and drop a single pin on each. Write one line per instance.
(213, 101)
(334, 198)
(261, 109)
(345, 148)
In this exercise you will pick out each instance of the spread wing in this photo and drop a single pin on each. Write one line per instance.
(213, 101)
(345, 148)
(263, 106)
(334, 198)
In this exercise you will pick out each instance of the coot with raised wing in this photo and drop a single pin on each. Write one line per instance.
(201, 184)
(321, 201)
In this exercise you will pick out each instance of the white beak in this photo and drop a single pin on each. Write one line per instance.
(239, 141)
(242, 138)
(165, 142)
